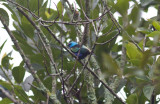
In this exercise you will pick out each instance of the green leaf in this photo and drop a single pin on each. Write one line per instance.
(122, 6)
(135, 61)
(82, 2)
(26, 47)
(12, 8)
(60, 29)
(100, 93)
(141, 80)
(1, 47)
(154, 34)
(100, 49)
(43, 11)
(18, 73)
(155, 74)
(95, 12)
(106, 26)
(132, 51)
(5, 61)
(131, 29)
(94, 3)
(111, 65)
(146, 58)
(47, 83)
(105, 38)
(51, 14)
(132, 99)
(60, 7)
(148, 90)
(116, 47)
(4, 16)
(37, 95)
(33, 5)
(133, 71)
(145, 2)
(37, 66)
(143, 30)
(23, 3)
(141, 98)
(156, 25)
(21, 94)
(37, 61)
(65, 17)
(5, 84)
(27, 28)
(5, 101)
(68, 65)
(72, 32)
(135, 15)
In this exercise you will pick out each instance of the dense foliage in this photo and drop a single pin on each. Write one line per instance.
(124, 52)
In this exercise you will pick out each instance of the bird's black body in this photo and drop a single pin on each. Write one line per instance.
(80, 52)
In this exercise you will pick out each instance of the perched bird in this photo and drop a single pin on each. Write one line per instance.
(75, 48)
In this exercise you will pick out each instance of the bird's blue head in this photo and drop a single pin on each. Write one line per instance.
(72, 44)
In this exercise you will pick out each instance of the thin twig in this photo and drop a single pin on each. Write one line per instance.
(69, 4)
(62, 59)
(79, 22)
(68, 76)
(108, 40)
(52, 21)
(75, 81)
(39, 32)
(21, 53)
(107, 31)
(47, 99)
(119, 26)
(38, 8)
(8, 95)
(27, 61)
(23, 8)
(90, 70)
(144, 43)
(78, 60)
(19, 49)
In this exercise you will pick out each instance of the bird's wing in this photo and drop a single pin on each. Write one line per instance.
(75, 48)
(84, 50)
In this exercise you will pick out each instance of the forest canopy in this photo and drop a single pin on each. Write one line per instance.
(108, 54)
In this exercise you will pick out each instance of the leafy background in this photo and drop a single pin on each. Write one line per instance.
(133, 62)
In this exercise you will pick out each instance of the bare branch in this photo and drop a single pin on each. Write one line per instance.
(90, 70)
(26, 60)
(115, 36)
(8, 95)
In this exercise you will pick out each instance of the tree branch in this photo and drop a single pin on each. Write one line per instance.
(8, 95)
(84, 64)
(49, 52)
